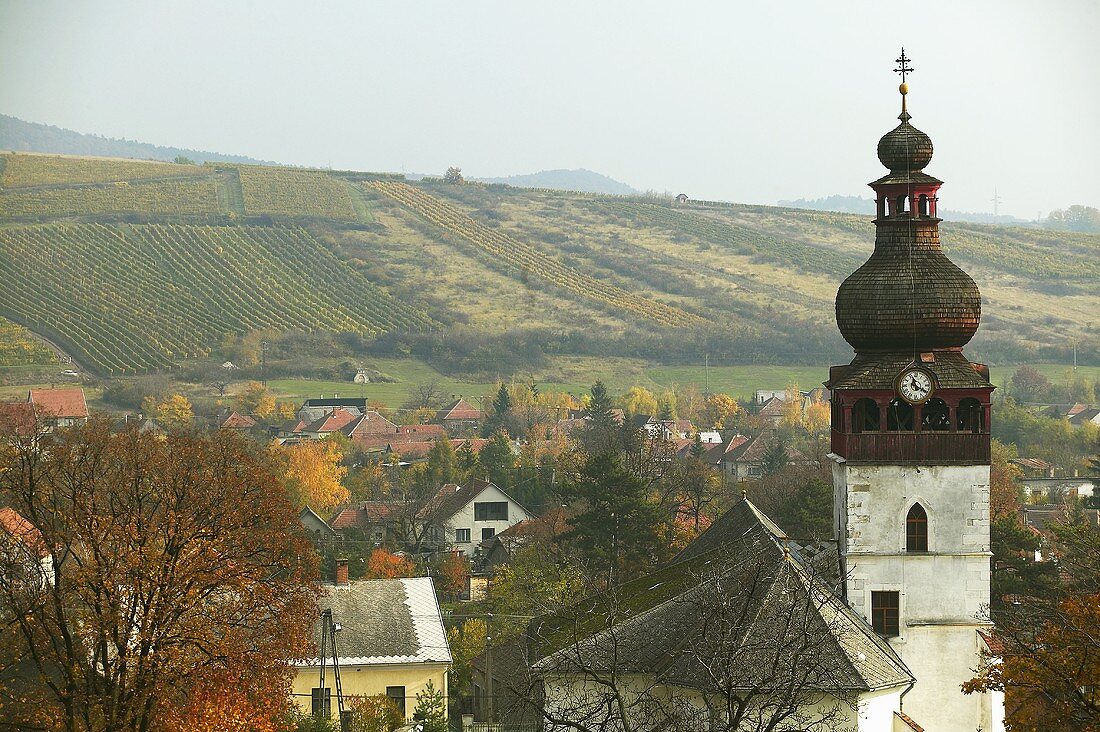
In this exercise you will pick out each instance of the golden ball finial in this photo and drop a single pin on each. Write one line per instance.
(903, 88)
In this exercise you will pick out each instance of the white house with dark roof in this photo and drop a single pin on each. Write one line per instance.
(390, 641)
(464, 517)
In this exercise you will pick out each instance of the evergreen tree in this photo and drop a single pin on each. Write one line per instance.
(442, 463)
(697, 449)
(775, 457)
(431, 709)
(614, 525)
(497, 460)
(500, 412)
(600, 434)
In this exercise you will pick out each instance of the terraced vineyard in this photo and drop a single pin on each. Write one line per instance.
(126, 299)
(182, 197)
(21, 169)
(19, 348)
(285, 192)
(525, 260)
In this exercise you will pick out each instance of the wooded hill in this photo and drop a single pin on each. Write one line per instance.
(133, 265)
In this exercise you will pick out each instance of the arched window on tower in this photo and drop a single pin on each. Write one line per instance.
(899, 416)
(935, 417)
(916, 529)
(882, 206)
(923, 203)
(865, 417)
(971, 416)
(900, 205)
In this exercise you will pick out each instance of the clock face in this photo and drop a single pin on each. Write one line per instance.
(915, 386)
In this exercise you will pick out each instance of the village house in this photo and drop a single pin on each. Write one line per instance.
(460, 417)
(59, 407)
(390, 639)
(462, 518)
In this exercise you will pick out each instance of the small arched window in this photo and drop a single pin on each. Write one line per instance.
(899, 416)
(923, 203)
(971, 416)
(935, 417)
(916, 529)
(901, 208)
(865, 417)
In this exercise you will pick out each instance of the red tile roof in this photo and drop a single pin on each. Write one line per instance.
(237, 421)
(336, 419)
(18, 527)
(423, 431)
(368, 512)
(369, 424)
(460, 410)
(60, 403)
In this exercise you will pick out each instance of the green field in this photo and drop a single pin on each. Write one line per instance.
(618, 374)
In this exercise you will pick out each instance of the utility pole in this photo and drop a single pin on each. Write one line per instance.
(263, 363)
(489, 666)
(706, 372)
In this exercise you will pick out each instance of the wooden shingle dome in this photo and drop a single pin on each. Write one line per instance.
(908, 297)
(905, 148)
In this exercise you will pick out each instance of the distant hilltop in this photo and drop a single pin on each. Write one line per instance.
(585, 181)
(20, 136)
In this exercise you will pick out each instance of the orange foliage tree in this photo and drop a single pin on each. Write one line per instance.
(182, 574)
(1047, 649)
(314, 473)
(383, 565)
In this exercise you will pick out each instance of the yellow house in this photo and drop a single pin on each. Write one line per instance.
(390, 640)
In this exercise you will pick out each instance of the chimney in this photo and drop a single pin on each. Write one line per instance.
(342, 572)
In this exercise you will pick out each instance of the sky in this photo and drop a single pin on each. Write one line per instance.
(749, 102)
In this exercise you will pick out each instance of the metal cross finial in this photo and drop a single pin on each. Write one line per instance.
(903, 65)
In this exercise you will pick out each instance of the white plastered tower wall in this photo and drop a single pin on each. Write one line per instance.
(944, 592)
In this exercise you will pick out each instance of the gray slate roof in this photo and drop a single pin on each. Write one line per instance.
(385, 621)
(742, 598)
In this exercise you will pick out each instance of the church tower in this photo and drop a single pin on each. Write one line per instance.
(910, 442)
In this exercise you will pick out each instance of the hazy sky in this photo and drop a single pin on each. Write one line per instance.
(749, 102)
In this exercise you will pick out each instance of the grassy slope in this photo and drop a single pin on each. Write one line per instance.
(759, 274)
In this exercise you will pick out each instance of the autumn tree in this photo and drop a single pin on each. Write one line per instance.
(451, 575)
(313, 472)
(181, 572)
(383, 565)
(375, 713)
(718, 410)
(1047, 648)
(638, 400)
(173, 411)
(255, 399)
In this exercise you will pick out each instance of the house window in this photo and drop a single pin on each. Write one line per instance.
(885, 615)
(756, 471)
(322, 702)
(396, 694)
(462, 536)
(916, 529)
(491, 511)
(488, 533)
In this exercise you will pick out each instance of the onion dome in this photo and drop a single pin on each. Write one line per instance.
(908, 298)
(905, 149)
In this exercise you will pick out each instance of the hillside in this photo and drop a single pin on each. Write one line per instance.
(585, 181)
(20, 136)
(134, 265)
